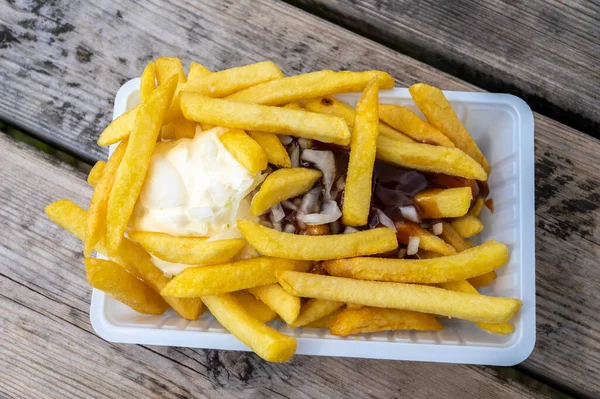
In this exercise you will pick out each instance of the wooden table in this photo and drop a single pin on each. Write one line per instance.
(61, 63)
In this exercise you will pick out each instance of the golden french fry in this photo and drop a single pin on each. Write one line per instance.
(281, 185)
(112, 279)
(438, 111)
(229, 277)
(470, 263)
(464, 286)
(357, 195)
(438, 203)
(271, 242)
(166, 67)
(96, 173)
(410, 124)
(418, 298)
(130, 176)
(325, 322)
(452, 237)
(188, 250)
(119, 129)
(354, 306)
(467, 226)
(424, 254)
(326, 128)
(310, 85)
(276, 152)
(483, 280)
(179, 128)
(130, 255)
(315, 309)
(429, 158)
(147, 82)
(331, 106)
(266, 342)
(427, 240)
(274, 296)
(197, 70)
(295, 105)
(369, 319)
(245, 150)
(254, 307)
(477, 207)
(96, 217)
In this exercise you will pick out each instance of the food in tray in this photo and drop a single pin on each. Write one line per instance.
(261, 196)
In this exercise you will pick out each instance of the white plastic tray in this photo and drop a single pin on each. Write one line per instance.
(502, 125)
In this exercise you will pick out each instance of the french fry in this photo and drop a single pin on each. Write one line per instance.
(325, 322)
(357, 194)
(427, 240)
(328, 129)
(276, 152)
(464, 286)
(178, 129)
(294, 105)
(424, 254)
(418, 298)
(369, 319)
(254, 307)
(245, 150)
(406, 121)
(429, 158)
(483, 280)
(228, 277)
(166, 67)
(354, 305)
(147, 82)
(112, 279)
(196, 71)
(286, 305)
(266, 342)
(271, 242)
(438, 203)
(96, 173)
(281, 185)
(119, 129)
(452, 237)
(477, 207)
(331, 106)
(310, 85)
(96, 217)
(467, 226)
(130, 176)
(315, 309)
(130, 255)
(470, 263)
(438, 111)
(188, 250)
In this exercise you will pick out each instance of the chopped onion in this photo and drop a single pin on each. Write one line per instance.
(438, 228)
(277, 213)
(289, 228)
(304, 143)
(285, 140)
(295, 156)
(289, 205)
(335, 227)
(385, 220)
(310, 201)
(266, 224)
(325, 162)
(413, 245)
(330, 212)
(350, 229)
(410, 213)
(201, 213)
(338, 187)
(401, 253)
(277, 226)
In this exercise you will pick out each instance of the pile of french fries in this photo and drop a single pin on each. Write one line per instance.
(333, 281)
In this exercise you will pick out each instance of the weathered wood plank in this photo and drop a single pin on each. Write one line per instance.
(543, 51)
(48, 347)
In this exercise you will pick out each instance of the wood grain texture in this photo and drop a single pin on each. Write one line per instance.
(48, 348)
(543, 51)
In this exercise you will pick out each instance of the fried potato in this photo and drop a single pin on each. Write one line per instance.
(424, 254)
(112, 279)
(178, 129)
(188, 250)
(328, 129)
(438, 203)
(483, 280)
(271, 242)
(331, 106)
(357, 194)
(276, 152)
(310, 85)
(452, 237)
(266, 342)
(96, 217)
(166, 67)
(294, 105)
(418, 298)
(130, 255)
(325, 322)
(353, 305)
(147, 82)
(467, 226)
(245, 150)
(132, 172)
(470, 263)
(369, 319)
(274, 296)
(429, 158)
(427, 240)
(315, 309)
(438, 111)
(464, 286)
(229, 277)
(477, 207)
(281, 185)
(119, 129)
(196, 71)
(409, 123)
(96, 173)
(254, 307)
